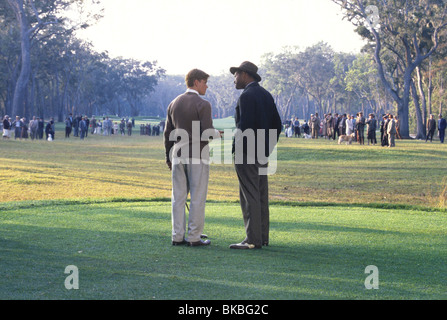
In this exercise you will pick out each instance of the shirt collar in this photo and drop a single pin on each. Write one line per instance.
(192, 91)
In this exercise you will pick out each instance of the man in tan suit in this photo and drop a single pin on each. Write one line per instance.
(188, 127)
(391, 131)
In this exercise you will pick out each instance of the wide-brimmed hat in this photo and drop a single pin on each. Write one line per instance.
(248, 67)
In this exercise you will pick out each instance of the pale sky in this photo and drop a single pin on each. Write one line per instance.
(214, 35)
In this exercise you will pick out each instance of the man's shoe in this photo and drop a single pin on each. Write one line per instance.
(244, 246)
(203, 236)
(178, 243)
(199, 243)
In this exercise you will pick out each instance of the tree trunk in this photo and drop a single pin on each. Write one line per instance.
(424, 104)
(430, 87)
(420, 134)
(403, 103)
(18, 104)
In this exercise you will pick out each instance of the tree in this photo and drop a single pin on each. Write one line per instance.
(314, 73)
(278, 72)
(408, 30)
(36, 19)
(223, 95)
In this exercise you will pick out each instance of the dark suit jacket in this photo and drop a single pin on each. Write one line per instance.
(442, 124)
(431, 125)
(255, 110)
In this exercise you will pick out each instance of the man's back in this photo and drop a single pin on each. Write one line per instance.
(183, 113)
(256, 110)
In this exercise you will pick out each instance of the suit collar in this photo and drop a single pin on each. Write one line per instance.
(252, 84)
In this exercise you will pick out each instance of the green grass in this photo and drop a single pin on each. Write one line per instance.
(308, 171)
(103, 204)
(123, 251)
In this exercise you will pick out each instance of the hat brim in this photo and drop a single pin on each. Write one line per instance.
(256, 76)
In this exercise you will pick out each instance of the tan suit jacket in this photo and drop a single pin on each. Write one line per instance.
(391, 128)
(192, 114)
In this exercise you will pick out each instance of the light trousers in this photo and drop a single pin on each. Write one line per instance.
(192, 179)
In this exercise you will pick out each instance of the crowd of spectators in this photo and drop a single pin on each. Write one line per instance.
(333, 126)
(327, 127)
(20, 128)
(79, 126)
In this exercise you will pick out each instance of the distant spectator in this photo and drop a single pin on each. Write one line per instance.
(67, 127)
(296, 125)
(93, 130)
(122, 127)
(49, 129)
(33, 126)
(431, 127)
(83, 128)
(360, 125)
(6, 127)
(442, 124)
(24, 134)
(17, 125)
(350, 124)
(129, 128)
(315, 126)
(371, 129)
(383, 134)
(342, 125)
(391, 131)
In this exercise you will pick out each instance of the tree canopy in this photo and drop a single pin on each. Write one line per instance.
(45, 70)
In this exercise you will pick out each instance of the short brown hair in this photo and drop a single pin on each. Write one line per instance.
(193, 75)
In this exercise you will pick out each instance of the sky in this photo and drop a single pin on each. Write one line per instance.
(214, 35)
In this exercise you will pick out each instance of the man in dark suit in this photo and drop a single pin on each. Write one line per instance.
(442, 124)
(335, 122)
(431, 127)
(256, 116)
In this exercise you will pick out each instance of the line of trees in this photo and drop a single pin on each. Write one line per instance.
(401, 69)
(404, 38)
(46, 71)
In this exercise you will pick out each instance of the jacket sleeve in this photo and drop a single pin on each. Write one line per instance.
(169, 127)
(206, 119)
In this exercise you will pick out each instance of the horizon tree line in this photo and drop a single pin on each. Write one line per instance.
(45, 70)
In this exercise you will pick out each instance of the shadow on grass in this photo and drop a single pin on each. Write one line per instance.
(123, 251)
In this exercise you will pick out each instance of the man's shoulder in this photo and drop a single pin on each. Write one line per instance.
(189, 97)
(254, 87)
(256, 90)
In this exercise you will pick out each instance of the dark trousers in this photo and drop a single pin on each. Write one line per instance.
(361, 136)
(253, 192)
(17, 132)
(430, 135)
(442, 135)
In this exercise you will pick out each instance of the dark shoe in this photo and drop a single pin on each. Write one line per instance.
(203, 236)
(244, 246)
(179, 243)
(199, 243)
